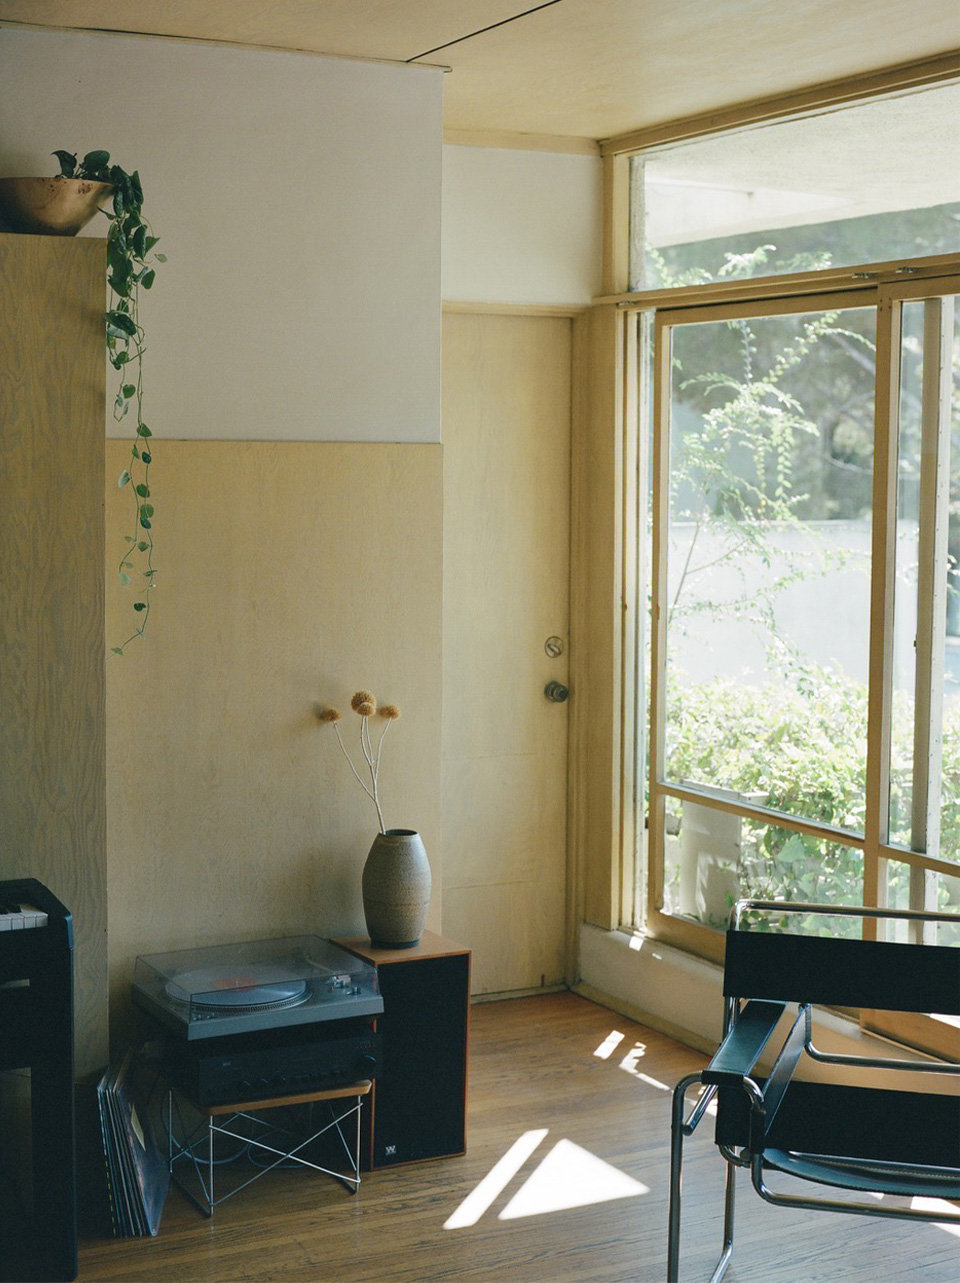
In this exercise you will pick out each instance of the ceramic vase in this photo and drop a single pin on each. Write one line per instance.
(50, 206)
(396, 889)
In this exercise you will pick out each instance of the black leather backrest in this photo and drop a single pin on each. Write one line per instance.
(842, 973)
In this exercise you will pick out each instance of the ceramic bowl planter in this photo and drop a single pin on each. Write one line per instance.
(50, 206)
(396, 889)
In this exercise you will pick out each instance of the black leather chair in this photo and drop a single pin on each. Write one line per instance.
(877, 1141)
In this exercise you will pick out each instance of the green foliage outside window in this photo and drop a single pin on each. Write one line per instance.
(751, 737)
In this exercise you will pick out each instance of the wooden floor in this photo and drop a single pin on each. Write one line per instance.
(595, 1085)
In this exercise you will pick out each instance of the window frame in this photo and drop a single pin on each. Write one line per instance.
(885, 288)
(608, 841)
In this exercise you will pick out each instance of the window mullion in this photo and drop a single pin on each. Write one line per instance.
(883, 561)
(932, 576)
(662, 366)
(931, 592)
(633, 699)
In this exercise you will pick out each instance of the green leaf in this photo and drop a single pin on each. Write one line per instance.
(143, 431)
(146, 510)
(121, 281)
(123, 479)
(147, 458)
(145, 523)
(124, 578)
(139, 605)
(161, 258)
(129, 389)
(95, 160)
(121, 322)
(148, 279)
(117, 650)
(116, 249)
(143, 491)
(142, 545)
(68, 163)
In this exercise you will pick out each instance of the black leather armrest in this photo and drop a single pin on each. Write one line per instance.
(740, 1050)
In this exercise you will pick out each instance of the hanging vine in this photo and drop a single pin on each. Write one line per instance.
(130, 259)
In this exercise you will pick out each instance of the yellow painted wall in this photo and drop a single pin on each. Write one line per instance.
(288, 575)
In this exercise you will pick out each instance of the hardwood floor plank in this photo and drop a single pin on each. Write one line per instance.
(533, 1066)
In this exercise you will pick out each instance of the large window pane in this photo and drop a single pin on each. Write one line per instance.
(714, 858)
(943, 897)
(768, 560)
(873, 182)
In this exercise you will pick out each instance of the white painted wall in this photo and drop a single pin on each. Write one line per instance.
(520, 226)
(298, 201)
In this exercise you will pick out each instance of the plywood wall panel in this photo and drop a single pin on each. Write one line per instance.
(288, 575)
(52, 754)
(507, 407)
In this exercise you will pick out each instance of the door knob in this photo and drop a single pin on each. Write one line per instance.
(556, 692)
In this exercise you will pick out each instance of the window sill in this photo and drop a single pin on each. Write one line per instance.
(681, 995)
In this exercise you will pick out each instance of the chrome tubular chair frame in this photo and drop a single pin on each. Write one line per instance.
(826, 1134)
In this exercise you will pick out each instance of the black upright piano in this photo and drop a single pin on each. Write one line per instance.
(36, 1033)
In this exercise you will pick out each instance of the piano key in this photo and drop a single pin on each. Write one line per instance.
(25, 918)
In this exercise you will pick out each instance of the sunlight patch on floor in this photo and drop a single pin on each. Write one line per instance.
(938, 1205)
(499, 1176)
(609, 1045)
(629, 1065)
(569, 1176)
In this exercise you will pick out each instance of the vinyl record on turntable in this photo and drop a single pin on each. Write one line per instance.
(224, 988)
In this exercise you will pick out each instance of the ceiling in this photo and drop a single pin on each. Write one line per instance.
(568, 69)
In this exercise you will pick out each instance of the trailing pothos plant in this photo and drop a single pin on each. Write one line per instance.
(130, 259)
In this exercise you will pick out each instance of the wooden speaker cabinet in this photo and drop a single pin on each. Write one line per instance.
(418, 1105)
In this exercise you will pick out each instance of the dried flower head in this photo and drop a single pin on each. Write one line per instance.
(390, 712)
(330, 715)
(364, 703)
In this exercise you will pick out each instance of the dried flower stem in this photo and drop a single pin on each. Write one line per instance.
(364, 704)
(372, 760)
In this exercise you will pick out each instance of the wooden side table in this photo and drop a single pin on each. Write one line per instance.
(417, 1108)
(221, 1119)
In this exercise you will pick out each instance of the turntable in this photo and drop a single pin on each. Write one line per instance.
(262, 984)
(262, 1019)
